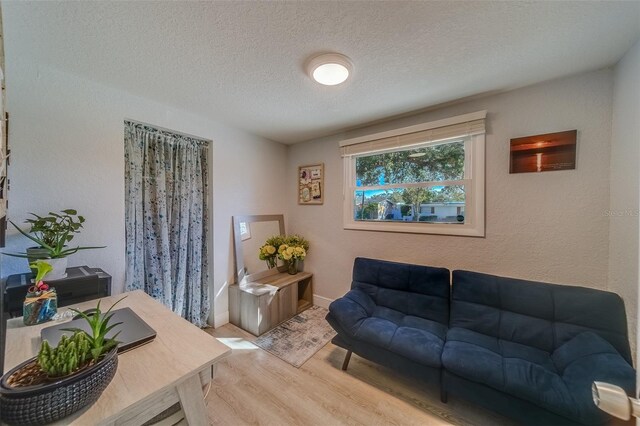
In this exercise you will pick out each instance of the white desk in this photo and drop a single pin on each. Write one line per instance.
(172, 368)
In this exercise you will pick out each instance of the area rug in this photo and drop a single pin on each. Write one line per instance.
(298, 339)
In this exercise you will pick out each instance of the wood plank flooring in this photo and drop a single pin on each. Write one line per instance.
(253, 387)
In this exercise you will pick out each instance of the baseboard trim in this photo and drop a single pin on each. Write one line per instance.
(221, 319)
(321, 301)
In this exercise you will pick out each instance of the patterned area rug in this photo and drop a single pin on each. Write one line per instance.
(298, 339)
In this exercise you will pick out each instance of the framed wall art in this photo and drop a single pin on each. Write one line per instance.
(543, 153)
(311, 184)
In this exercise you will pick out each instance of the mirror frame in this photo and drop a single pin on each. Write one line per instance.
(238, 263)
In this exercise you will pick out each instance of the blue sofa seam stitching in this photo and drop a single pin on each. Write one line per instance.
(392, 336)
(359, 304)
(504, 375)
(588, 355)
(501, 351)
(524, 359)
(360, 326)
(545, 319)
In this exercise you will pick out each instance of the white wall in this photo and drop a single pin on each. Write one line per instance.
(549, 226)
(67, 151)
(625, 181)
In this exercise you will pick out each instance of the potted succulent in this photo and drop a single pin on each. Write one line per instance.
(52, 233)
(60, 381)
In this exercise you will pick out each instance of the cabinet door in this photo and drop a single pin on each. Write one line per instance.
(287, 302)
(268, 312)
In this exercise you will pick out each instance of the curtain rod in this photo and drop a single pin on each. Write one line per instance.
(164, 129)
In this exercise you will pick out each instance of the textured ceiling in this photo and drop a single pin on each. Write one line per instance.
(242, 63)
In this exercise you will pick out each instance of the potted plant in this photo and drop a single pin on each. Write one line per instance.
(52, 233)
(60, 381)
(41, 302)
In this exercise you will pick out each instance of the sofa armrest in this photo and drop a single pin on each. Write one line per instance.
(350, 310)
(587, 358)
(582, 345)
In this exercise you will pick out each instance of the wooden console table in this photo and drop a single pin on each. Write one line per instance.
(260, 305)
(151, 378)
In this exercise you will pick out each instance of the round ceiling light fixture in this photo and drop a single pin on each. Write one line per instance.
(330, 69)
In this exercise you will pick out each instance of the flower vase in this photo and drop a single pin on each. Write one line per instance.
(39, 307)
(271, 262)
(292, 266)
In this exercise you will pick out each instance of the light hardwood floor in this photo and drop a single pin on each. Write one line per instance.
(253, 387)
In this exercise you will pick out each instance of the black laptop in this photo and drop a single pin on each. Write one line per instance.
(133, 330)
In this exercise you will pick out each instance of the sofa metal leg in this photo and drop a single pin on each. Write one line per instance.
(443, 390)
(345, 364)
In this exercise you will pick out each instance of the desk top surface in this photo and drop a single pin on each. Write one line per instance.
(180, 350)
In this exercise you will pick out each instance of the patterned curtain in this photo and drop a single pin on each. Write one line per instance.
(166, 219)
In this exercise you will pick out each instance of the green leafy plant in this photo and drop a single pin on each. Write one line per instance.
(100, 327)
(42, 269)
(275, 241)
(297, 241)
(52, 227)
(70, 354)
(53, 232)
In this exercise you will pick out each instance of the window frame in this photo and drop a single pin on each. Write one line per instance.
(474, 182)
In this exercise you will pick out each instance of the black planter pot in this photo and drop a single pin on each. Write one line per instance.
(46, 403)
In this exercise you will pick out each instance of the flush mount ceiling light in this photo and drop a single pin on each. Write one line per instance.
(329, 69)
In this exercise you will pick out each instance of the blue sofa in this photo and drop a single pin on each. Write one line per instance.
(525, 349)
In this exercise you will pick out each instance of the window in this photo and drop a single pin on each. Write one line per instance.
(422, 179)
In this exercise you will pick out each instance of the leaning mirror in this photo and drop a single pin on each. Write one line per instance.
(250, 233)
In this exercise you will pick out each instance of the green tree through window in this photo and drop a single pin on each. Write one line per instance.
(439, 163)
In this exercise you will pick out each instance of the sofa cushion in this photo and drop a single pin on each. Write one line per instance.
(559, 382)
(418, 339)
(536, 314)
(419, 291)
(525, 372)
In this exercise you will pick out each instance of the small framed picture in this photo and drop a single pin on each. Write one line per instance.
(543, 153)
(311, 184)
(245, 231)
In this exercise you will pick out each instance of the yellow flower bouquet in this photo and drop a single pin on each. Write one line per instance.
(269, 251)
(290, 249)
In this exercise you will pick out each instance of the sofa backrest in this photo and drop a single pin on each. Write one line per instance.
(421, 291)
(536, 314)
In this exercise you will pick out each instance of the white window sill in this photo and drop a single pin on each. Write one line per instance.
(463, 230)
